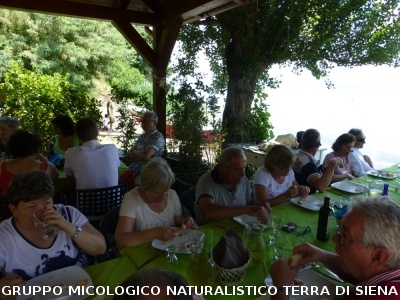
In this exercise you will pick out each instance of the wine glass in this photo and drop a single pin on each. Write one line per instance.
(277, 223)
(48, 230)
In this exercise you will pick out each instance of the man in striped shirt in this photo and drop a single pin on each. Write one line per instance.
(367, 252)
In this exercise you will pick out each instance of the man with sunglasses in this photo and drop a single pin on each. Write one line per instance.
(360, 164)
(367, 252)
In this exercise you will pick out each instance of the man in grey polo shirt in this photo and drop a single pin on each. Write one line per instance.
(225, 192)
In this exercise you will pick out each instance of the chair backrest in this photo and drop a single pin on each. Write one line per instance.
(188, 199)
(107, 227)
(95, 203)
(5, 212)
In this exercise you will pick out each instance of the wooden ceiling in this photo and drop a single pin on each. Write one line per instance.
(143, 12)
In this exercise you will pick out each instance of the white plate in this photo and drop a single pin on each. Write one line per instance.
(382, 174)
(311, 202)
(68, 277)
(190, 236)
(348, 186)
(246, 219)
(310, 279)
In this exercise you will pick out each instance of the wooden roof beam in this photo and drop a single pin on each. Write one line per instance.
(82, 10)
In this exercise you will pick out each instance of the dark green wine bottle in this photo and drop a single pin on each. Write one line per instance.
(323, 220)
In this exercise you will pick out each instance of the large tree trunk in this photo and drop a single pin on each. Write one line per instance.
(236, 116)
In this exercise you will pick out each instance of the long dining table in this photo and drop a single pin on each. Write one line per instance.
(146, 256)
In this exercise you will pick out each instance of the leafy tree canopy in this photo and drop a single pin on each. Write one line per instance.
(242, 44)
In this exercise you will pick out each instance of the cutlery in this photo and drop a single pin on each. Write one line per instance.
(326, 272)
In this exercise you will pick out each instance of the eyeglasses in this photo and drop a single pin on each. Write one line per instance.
(307, 230)
(146, 121)
(361, 140)
(343, 240)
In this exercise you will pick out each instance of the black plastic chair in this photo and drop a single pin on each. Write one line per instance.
(107, 227)
(188, 200)
(95, 203)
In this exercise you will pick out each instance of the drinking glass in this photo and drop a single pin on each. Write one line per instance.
(48, 230)
(375, 188)
(277, 223)
(254, 241)
(2, 155)
(171, 262)
(280, 245)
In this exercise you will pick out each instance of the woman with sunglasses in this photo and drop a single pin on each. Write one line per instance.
(359, 164)
(274, 182)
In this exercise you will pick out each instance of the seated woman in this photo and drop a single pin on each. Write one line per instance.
(8, 126)
(24, 147)
(341, 148)
(64, 137)
(274, 182)
(153, 210)
(24, 252)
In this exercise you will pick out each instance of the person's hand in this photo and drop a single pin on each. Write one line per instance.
(190, 223)
(41, 158)
(10, 280)
(304, 191)
(309, 252)
(350, 177)
(49, 216)
(292, 191)
(337, 161)
(165, 233)
(260, 212)
(281, 274)
(264, 204)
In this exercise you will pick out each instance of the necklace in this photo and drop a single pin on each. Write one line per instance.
(231, 192)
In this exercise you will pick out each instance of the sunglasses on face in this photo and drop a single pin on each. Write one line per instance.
(361, 140)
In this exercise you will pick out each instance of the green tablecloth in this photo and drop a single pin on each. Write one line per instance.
(145, 256)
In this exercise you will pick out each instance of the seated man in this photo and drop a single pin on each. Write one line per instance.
(367, 246)
(359, 164)
(25, 250)
(225, 192)
(305, 166)
(150, 144)
(94, 165)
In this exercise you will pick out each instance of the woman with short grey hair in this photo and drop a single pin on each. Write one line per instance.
(153, 210)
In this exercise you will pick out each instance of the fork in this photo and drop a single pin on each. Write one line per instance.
(324, 271)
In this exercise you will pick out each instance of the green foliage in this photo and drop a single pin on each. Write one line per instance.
(127, 95)
(35, 99)
(243, 43)
(260, 126)
(84, 49)
(187, 118)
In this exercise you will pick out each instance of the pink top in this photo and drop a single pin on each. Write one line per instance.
(6, 176)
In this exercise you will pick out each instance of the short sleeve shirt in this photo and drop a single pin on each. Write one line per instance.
(305, 167)
(19, 256)
(209, 185)
(155, 140)
(274, 189)
(133, 206)
(338, 170)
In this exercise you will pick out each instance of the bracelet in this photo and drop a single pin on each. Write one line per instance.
(77, 233)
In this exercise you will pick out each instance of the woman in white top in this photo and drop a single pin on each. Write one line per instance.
(274, 182)
(151, 211)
